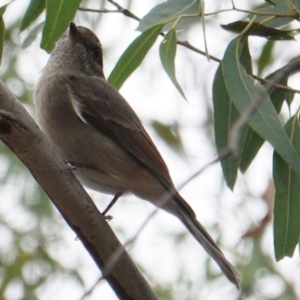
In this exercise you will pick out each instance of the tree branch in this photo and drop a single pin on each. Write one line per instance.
(20, 133)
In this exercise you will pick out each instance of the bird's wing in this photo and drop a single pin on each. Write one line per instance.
(99, 104)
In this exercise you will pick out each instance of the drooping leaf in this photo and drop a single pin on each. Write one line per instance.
(253, 140)
(295, 4)
(169, 135)
(243, 91)
(35, 8)
(287, 204)
(133, 56)
(169, 11)
(266, 58)
(259, 30)
(167, 51)
(2, 30)
(279, 7)
(271, 2)
(225, 115)
(59, 13)
(183, 23)
(32, 35)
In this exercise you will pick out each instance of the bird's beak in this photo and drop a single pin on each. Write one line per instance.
(74, 33)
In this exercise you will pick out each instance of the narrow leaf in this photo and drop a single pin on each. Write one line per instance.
(133, 56)
(32, 35)
(33, 11)
(168, 11)
(243, 92)
(258, 29)
(167, 51)
(59, 13)
(266, 58)
(287, 204)
(295, 4)
(225, 115)
(2, 30)
(170, 136)
(254, 141)
(278, 7)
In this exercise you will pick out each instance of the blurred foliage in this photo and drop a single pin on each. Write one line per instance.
(26, 261)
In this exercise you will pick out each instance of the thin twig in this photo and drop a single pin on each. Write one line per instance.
(125, 11)
(277, 86)
(253, 12)
(98, 10)
(91, 289)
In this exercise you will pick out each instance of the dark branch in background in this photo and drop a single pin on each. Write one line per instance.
(21, 134)
(186, 44)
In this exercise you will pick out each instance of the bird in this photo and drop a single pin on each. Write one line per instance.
(99, 134)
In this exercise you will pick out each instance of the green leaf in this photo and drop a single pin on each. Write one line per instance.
(257, 29)
(183, 23)
(253, 141)
(225, 115)
(266, 58)
(133, 56)
(287, 204)
(170, 136)
(295, 4)
(243, 91)
(167, 51)
(169, 11)
(59, 13)
(35, 8)
(2, 30)
(279, 7)
(32, 35)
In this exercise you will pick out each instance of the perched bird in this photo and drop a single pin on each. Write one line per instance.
(97, 131)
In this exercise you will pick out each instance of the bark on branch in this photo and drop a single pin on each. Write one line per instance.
(21, 134)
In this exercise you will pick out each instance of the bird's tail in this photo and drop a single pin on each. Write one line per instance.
(187, 216)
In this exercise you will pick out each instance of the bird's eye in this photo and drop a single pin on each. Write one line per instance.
(97, 53)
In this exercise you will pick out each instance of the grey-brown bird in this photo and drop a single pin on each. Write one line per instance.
(97, 131)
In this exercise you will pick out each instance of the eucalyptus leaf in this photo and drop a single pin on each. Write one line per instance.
(266, 58)
(133, 56)
(258, 29)
(243, 91)
(295, 4)
(287, 204)
(170, 11)
(167, 51)
(253, 140)
(35, 8)
(31, 37)
(170, 136)
(278, 7)
(59, 13)
(225, 115)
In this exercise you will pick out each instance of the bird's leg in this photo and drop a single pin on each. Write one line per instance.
(113, 201)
